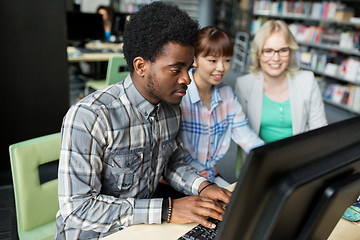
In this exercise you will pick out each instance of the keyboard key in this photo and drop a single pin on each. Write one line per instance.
(200, 232)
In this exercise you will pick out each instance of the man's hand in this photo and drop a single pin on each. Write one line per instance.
(196, 209)
(215, 193)
(200, 208)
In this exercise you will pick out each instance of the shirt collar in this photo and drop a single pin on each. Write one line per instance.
(192, 89)
(145, 107)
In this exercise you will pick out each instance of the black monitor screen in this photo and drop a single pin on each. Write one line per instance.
(296, 188)
(85, 27)
(118, 23)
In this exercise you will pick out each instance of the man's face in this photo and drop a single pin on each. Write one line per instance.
(167, 78)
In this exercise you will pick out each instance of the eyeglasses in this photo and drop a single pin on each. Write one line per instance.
(268, 52)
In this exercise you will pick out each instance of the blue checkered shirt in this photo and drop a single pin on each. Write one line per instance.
(206, 134)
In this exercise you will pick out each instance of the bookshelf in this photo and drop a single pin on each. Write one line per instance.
(191, 7)
(225, 12)
(328, 33)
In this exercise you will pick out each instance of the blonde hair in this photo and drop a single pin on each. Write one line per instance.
(266, 30)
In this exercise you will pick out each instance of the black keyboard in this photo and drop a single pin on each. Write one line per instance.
(200, 232)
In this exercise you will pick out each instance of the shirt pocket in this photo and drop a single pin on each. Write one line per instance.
(126, 169)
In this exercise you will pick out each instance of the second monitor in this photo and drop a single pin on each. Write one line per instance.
(118, 24)
(84, 27)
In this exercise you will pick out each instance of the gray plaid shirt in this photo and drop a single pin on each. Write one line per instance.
(115, 147)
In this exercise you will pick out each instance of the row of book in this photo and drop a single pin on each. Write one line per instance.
(342, 38)
(314, 34)
(316, 10)
(348, 95)
(312, 59)
(347, 69)
(282, 7)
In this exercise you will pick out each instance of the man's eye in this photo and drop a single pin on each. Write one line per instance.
(176, 71)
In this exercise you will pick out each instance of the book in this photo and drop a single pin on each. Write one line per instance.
(356, 99)
(316, 10)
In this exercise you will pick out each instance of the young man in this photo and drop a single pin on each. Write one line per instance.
(118, 142)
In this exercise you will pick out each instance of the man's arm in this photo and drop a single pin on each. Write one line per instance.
(179, 174)
(196, 208)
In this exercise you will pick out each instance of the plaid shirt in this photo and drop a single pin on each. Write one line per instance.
(207, 133)
(114, 150)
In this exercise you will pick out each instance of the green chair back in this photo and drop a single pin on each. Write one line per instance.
(36, 204)
(114, 73)
(115, 70)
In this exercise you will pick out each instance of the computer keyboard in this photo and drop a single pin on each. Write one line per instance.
(200, 232)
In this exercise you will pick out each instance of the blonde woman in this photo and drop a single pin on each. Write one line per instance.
(279, 99)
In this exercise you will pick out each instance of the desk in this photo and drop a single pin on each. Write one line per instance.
(93, 57)
(73, 54)
(94, 63)
(344, 230)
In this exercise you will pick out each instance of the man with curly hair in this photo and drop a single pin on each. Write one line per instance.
(119, 141)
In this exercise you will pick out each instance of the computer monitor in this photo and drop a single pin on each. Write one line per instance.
(118, 24)
(296, 188)
(84, 27)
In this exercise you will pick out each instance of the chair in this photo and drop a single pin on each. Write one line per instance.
(36, 204)
(114, 73)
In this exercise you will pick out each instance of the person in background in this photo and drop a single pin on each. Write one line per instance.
(106, 13)
(211, 113)
(117, 142)
(279, 99)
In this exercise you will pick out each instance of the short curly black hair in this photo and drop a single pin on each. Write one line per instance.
(152, 27)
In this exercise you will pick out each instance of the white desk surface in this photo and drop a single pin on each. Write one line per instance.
(344, 230)
(73, 55)
(93, 57)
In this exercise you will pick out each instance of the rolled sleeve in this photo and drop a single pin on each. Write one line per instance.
(147, 211)
(195, 186)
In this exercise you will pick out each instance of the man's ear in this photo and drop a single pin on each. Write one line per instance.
(194, 63)
(140, 66)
